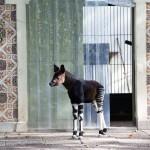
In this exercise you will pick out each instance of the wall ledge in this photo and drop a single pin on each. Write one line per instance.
(143, 125)
(8, 126)
(21, 127)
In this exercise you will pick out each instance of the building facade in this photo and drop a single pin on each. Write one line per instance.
(15, 104)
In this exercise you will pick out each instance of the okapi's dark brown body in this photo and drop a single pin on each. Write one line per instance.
(81, 91)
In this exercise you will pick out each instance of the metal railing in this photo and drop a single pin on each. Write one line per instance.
(110, 64)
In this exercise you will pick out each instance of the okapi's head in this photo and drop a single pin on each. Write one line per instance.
(59, 76)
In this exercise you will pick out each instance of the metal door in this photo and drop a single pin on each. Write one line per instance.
(107, 57)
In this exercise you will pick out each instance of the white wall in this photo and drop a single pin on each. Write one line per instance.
(140, 65)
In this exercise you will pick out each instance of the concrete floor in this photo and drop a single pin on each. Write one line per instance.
(115, 140)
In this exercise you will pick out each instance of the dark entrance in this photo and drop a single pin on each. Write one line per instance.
(121, 107)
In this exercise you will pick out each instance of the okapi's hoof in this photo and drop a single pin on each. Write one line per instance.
(105, 130)
(101, 133)
(81, 135)
(75, 137)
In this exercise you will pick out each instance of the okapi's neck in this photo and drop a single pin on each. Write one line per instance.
(69, 79)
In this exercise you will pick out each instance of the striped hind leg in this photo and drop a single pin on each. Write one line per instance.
(102, 125)
(99, 102)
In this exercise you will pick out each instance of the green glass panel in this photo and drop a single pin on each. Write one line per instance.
(54, 36)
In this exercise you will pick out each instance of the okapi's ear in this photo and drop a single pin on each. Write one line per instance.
(56, 68)
(62, 68)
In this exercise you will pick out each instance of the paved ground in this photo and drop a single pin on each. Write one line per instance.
(115, 140)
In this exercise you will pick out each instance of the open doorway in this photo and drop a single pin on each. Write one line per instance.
(108, 52)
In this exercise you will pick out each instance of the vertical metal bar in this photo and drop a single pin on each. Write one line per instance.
(120, 82)
(133, 65)
(93, 68)
(114, 48)
(103, 46)
(107, 71)
(124, 50)
(85, 46)
(117, 50)
(107, 42)
(110, 57)
(121, 23)
(101, 26)
(132, 49)
(120, 64)
(127, 47)
(120, 54)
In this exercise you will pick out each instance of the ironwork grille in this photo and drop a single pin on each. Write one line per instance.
(107, 58)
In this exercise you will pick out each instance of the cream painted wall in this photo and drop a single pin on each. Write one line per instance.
(140, 65)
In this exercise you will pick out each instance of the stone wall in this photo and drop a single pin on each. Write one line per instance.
(8, 64)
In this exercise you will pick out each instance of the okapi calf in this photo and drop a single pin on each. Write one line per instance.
(80, 92)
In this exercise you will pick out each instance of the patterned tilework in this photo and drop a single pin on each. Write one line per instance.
(148, 54)
(2, 2)
(8, 64)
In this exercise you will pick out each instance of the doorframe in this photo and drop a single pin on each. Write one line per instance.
(141, 115)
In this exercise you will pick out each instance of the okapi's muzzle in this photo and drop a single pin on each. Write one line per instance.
(52, 84)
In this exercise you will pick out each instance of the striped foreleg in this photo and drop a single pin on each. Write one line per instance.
(81, 116)
(75, 119)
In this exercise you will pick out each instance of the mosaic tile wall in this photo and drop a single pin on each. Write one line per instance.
(148, 53)
(8, 64)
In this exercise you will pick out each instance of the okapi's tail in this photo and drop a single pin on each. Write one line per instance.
(100, 96)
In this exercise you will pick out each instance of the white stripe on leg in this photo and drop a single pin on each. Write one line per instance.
(100, 121)
(103, 120)
(75, 118)
(94, 103)
(81, 116)
(75, 124)
(102, 124)
(81, 122)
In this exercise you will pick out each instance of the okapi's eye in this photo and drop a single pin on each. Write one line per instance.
(57, 78)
